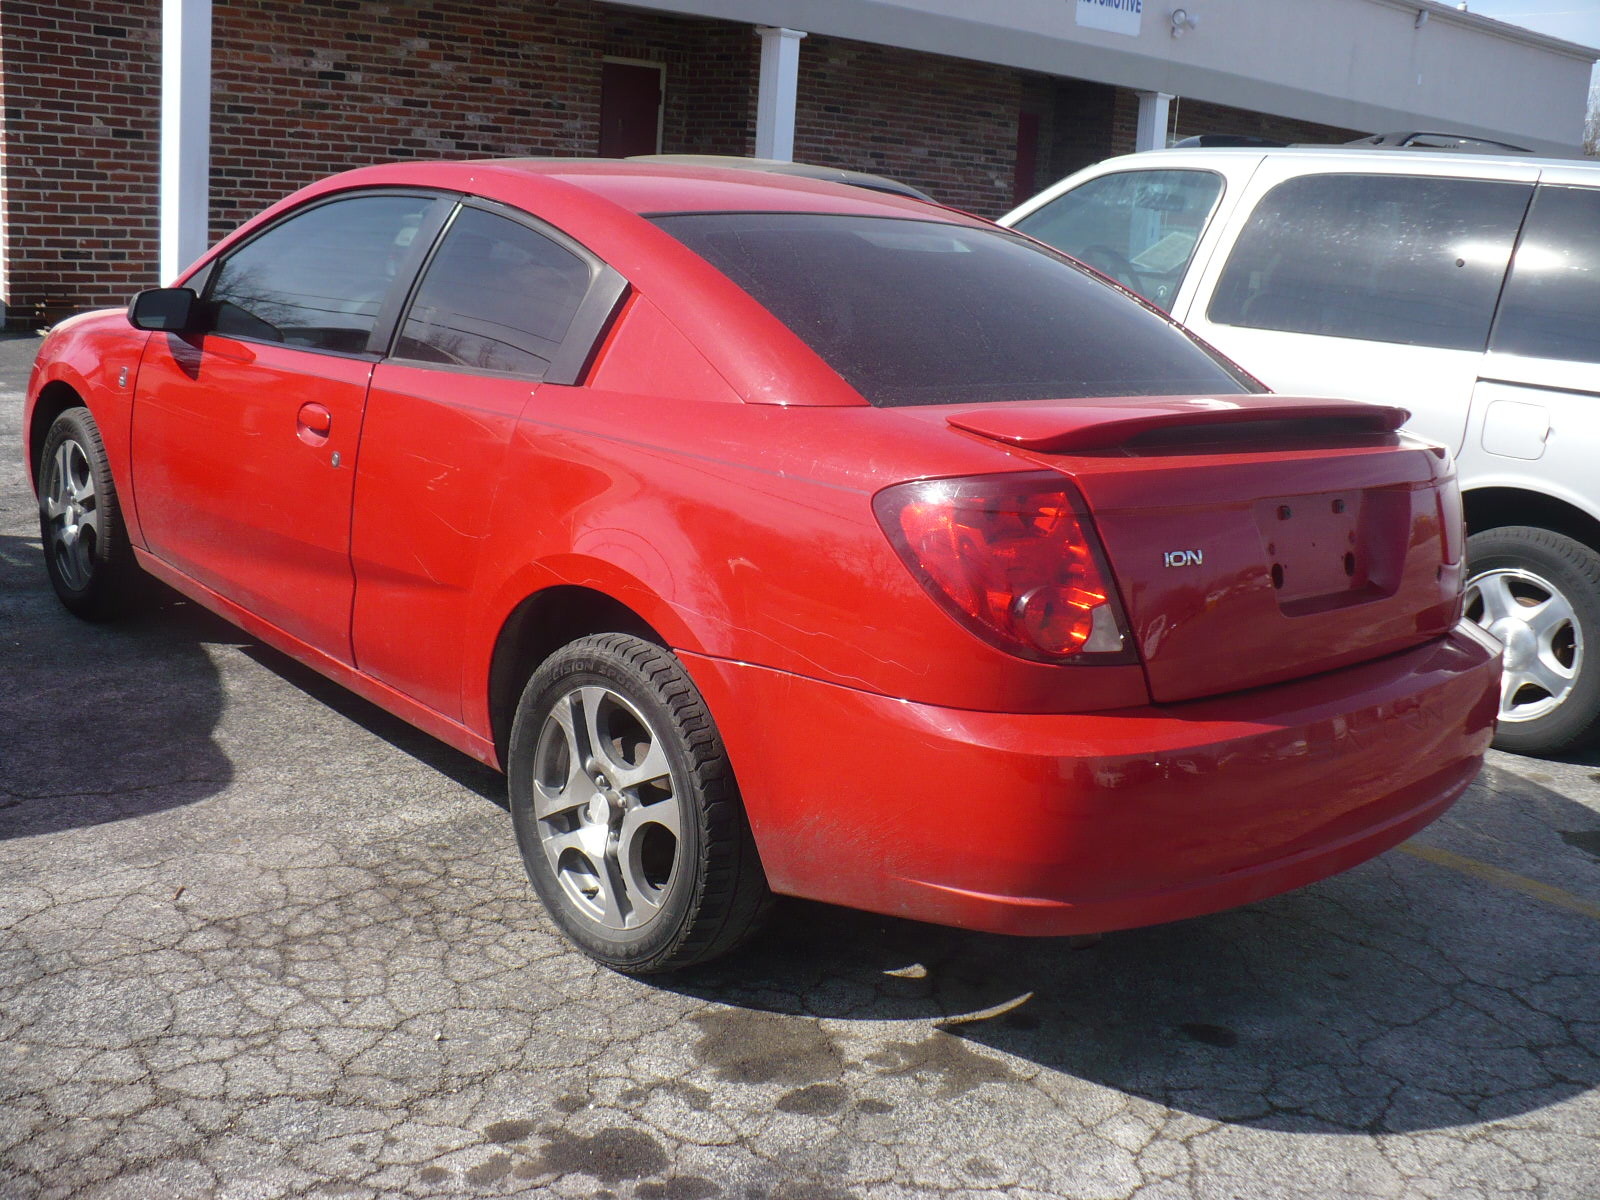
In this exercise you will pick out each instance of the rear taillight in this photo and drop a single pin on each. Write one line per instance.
(1452, 521)
(1013, 558)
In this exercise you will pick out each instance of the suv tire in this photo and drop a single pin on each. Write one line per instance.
(1539, 592)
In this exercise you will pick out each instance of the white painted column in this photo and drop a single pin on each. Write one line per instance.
(185, 133)
(779, 87)
(1152, 128)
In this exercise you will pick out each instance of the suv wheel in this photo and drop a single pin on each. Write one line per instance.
(1539, 593)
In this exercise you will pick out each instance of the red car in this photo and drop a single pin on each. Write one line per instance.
(775, 536)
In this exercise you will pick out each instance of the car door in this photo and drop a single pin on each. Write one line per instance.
(245, 435)
(1375, 285)
(1534, 416)
(503, 304)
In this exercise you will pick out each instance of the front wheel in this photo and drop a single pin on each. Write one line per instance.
(625, 809)
(86, 549)
(1538, 592)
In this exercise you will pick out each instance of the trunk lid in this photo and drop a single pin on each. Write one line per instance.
(1253, 539)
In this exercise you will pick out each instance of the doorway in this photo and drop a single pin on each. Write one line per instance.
(631, 94)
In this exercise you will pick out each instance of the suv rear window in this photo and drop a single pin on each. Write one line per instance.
(1411, 259)
(917, 312)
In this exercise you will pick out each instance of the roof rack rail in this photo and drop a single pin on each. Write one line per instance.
(1224, 139)
(1438, 141)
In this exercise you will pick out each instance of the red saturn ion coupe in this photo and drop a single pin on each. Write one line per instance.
(775, 536)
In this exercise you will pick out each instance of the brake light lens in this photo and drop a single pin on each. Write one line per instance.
(1014, 559)
(1452, 521)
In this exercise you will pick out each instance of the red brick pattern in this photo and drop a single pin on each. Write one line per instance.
(80, 90)
(946, 125)
(1196, 116)
(301, 91)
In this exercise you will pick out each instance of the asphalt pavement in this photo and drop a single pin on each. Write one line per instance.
(259, 939)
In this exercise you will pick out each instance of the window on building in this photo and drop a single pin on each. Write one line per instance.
(1551, 307)
(1386, 258)
(1139, 227)
(497, 296)
(319, 278)
(917, 312)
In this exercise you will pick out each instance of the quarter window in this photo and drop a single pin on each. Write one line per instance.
(319, 278)
(1139, 227)
(497, 296)
(1551, 307)
(1386, 258)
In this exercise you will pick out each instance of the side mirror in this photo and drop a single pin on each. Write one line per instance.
(166, 310)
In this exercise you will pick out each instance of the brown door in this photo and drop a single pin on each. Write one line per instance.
(630, 110)
(1023, 182)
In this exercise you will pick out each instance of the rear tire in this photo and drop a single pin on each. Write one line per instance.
(626, 812)
(1539, 593)
(86, 548)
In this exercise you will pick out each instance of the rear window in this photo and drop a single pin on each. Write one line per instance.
(916, 312)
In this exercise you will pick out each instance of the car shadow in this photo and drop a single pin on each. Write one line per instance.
(101, 722)
(1400, 996)
(460, 768)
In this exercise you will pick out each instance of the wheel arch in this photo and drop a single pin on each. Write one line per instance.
(55, 398)
(541, 625)
(1495, 507)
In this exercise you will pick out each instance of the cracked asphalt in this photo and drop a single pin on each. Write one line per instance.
(258, 939)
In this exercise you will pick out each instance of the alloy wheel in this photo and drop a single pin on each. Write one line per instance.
(607, 807)
(71, 514)
(1543, 639)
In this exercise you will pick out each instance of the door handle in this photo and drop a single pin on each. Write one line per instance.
(313, 423)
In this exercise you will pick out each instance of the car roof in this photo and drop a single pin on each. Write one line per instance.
(865, 179)
(652, 188)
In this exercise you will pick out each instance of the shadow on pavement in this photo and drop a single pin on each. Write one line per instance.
(99, 722)
(1398, 997)
(403, 736)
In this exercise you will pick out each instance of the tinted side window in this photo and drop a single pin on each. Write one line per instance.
(918, 312)
(1387, 258)
(318, 278)
(1551, 307)
(1139, 227)
(497, 296)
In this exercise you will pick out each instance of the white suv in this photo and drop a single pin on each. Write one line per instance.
(1463, 287)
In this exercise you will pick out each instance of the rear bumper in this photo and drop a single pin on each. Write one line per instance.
(1059, 824)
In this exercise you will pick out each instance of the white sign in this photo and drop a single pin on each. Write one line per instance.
(1116, 16)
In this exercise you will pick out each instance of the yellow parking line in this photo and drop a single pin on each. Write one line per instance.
(1505, 879)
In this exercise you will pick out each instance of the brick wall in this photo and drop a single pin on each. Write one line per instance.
(345, 83)
(946, 125)
(304, 88)
(79, 89)
(1084, 129)
(1194, 116)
